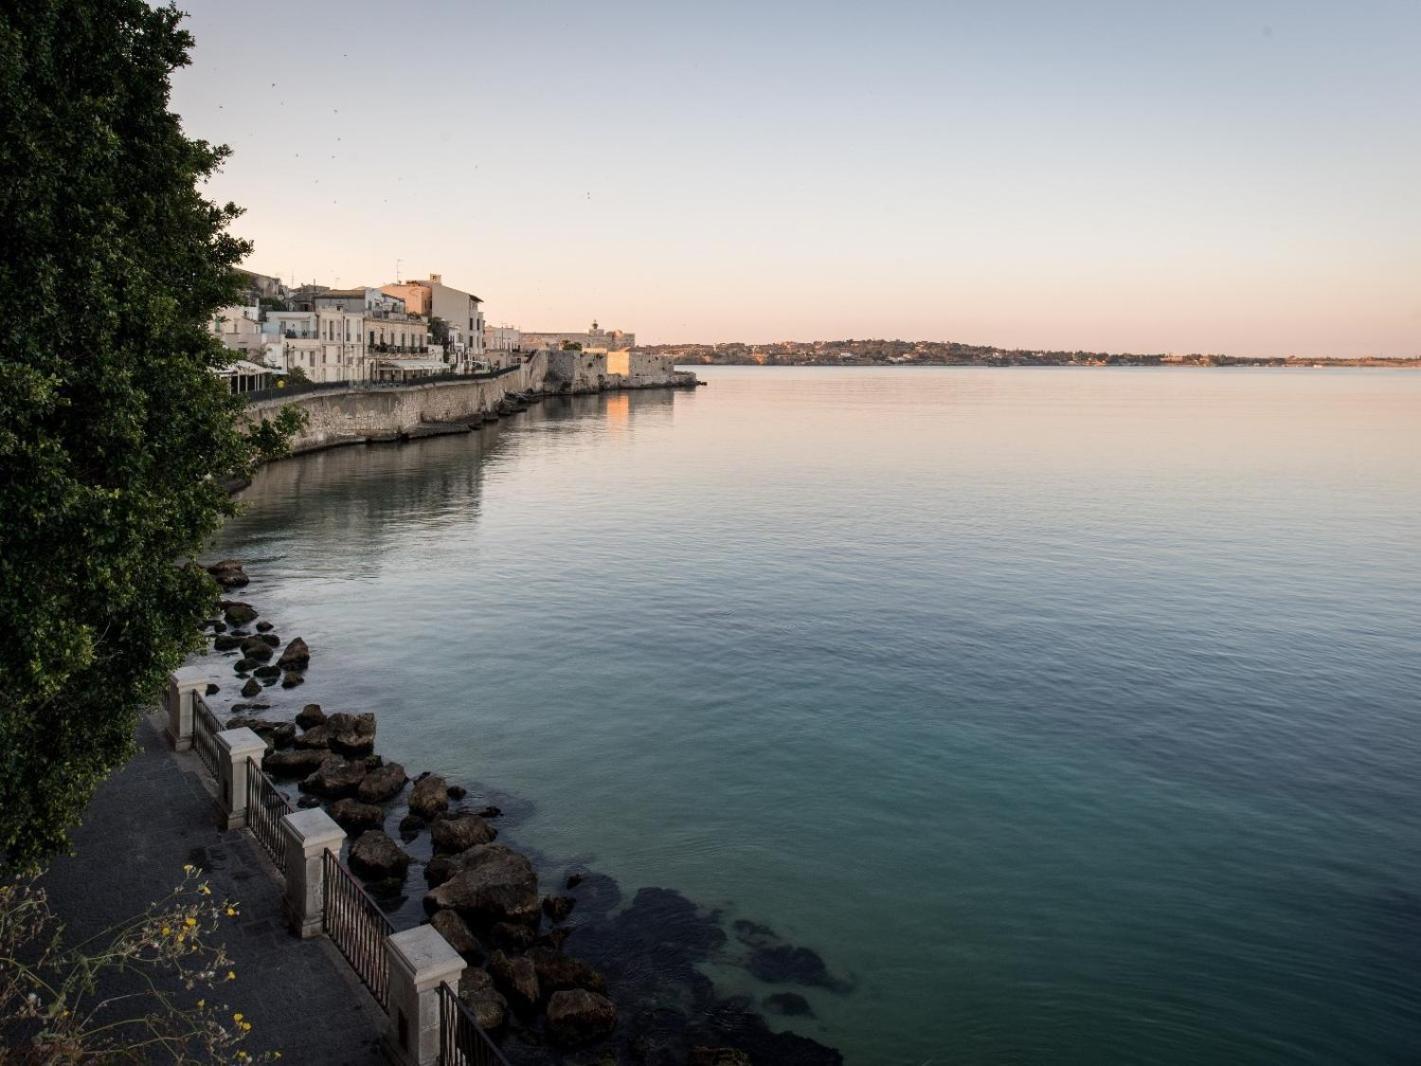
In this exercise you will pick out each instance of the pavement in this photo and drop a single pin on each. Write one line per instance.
(145, 823)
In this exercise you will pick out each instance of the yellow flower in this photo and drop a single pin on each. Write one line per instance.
(231, 912)
(246, 1027)
(237, 1017)
(189, 922)
(166, 930)
(204, 890)
(188, 868)
(201, 1003)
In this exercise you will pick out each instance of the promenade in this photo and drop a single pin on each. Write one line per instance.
(147, 821)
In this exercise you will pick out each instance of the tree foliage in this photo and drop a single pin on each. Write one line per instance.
(116, 438)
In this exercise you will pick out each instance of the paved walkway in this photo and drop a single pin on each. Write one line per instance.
(144, 824)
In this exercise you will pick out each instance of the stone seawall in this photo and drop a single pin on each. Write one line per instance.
(363, 413)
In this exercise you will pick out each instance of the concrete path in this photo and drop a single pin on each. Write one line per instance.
(145, 823)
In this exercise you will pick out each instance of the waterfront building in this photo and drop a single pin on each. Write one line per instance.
(327, 345)
(502, 341)
(460, 311)
(595, 339)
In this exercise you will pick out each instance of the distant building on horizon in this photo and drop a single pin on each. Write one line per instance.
(595, 339)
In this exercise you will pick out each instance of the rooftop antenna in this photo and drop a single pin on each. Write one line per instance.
(397, 270)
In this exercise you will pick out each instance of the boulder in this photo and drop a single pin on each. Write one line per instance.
(516, 979)
(352, 734)
(410, 827)
(316, 737)
(557, 972)
(576, 1016)
(489, 811)
(293, 763)
(557, 908)
(256, 648)
(383, 784)
(297, 656)
(240, 708)
(226, 642)
(265, 627)
(511, 937)
(237, 614)
(335, 778)
(455, 930)
(429, 796)
(554, 938)
(784, 963)
(267, 672)
(292, 679)
(375, 855)
(356, 817)
(573, 880)
(457, 792)
(476, 989)
(251, 688)
(438, 869)
(460, 832)
(245, 665)
(212, 688)
(490, 883)
(310, 715)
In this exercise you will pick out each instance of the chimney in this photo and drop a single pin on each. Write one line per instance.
(436, 279)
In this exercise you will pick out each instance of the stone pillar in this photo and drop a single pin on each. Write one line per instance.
(307, 836)
(420, 960)
(183, 683)
(234, 748)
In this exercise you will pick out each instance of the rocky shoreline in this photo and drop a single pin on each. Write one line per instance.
(561, 969)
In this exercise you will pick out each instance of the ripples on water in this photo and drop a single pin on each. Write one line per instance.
(1075, 714)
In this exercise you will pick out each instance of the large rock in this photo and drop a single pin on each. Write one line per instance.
(459, 832)
(557, 908)
(476, 988)
(557, 972)
(516, 978)
(310, 716)
(335, 778)
(382, 784)
(491, 883)
(429, 797)
(256, 648)
(576, 1016)
(291, 679)
(246, 665)
(251, 688)
(226, 642)
(375, 855)
(297, 656)
(318, 736)
(293, 763)
(356, 817)
(455, 930)
(228, 573)
(352, 734)
(785, 963)
(238, 614)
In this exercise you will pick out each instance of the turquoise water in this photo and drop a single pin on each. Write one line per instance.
(1071, 715)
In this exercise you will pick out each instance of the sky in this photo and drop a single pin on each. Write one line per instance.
(1235, 177)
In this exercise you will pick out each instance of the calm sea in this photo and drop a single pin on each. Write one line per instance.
(1071, 715)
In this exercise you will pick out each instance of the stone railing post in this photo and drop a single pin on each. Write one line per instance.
(234, 748)
(420, 960)
(183, 684)
(307, 836)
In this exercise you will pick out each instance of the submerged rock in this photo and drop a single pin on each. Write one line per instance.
(789, 1004)
(292, 679)
(265, 627)
(577, 1016)
(717, 1056)
(557, 971)
(785, 963)
(557, 908)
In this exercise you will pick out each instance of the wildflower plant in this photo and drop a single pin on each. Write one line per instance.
(140, 990)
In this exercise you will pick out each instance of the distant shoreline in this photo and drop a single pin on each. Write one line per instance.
(935, 353)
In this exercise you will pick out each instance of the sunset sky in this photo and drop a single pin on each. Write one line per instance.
(1223, 177)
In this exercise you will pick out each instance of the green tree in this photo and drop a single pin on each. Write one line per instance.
(115, 436)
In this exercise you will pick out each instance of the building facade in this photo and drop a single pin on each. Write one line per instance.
(595, 339)
(460, 311)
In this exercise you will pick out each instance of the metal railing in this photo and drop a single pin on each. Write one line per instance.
(204, 734)
(461, 1040)
(266, 806)
(357, 926)
(300, 388)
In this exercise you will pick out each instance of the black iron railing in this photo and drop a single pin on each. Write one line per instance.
(357, 926)
(461, 1041)
(300, 388)
(266, 806)
(204, 734)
